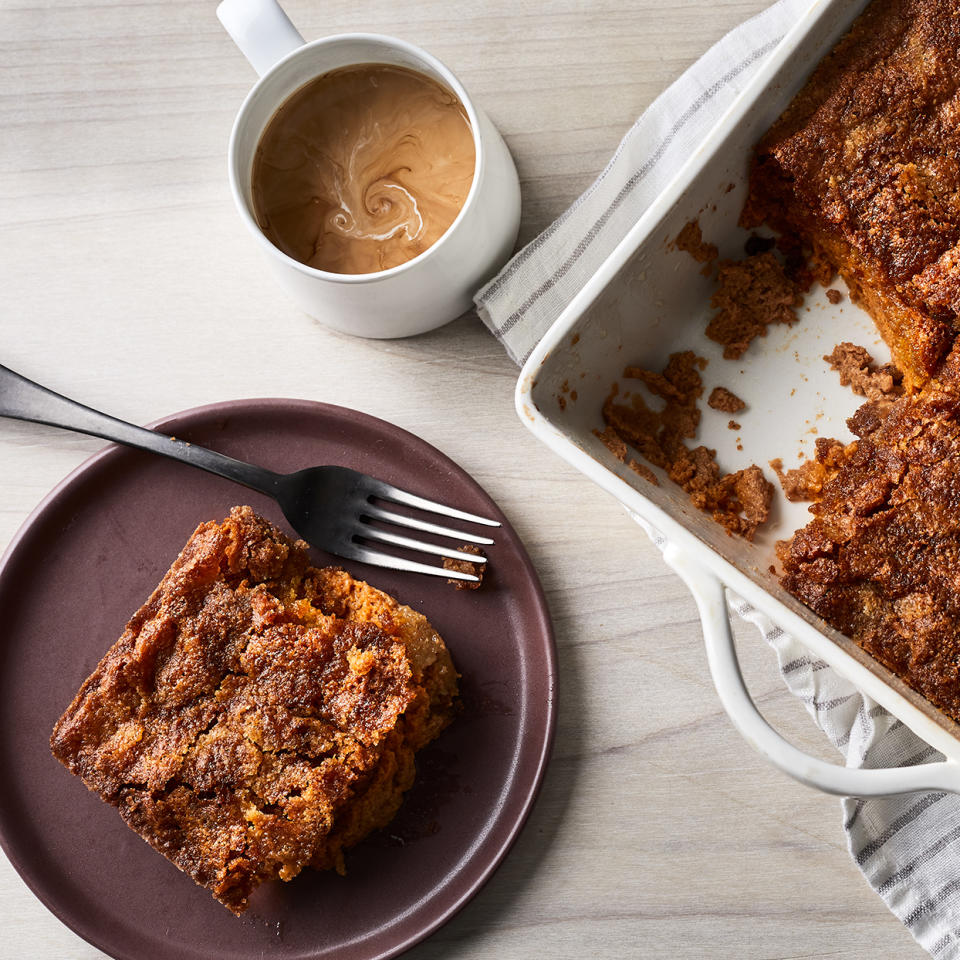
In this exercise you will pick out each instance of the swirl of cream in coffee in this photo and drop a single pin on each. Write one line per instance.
(363, 168)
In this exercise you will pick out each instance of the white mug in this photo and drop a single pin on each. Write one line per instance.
(432, 288)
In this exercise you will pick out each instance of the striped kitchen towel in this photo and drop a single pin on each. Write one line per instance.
(908, 847)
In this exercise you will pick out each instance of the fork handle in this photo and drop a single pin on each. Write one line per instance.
(22, 399)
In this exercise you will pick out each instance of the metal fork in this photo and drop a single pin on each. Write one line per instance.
(330, 507)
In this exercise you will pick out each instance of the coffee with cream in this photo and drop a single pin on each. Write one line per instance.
(363, 168)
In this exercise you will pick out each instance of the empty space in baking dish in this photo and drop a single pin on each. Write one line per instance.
(650, 300)
(659, 304)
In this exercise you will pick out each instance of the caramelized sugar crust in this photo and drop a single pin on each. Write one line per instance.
(880, 561)
(258, 715)
(864, 168)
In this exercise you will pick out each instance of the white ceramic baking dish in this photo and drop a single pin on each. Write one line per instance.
(648, 300)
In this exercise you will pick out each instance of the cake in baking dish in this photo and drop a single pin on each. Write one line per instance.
(880, 561)
(864, 169)
(258, 715)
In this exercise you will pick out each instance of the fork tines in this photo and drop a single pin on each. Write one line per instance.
(390, 492)
(387, 492)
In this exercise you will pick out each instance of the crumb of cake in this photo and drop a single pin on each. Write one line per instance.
(805, 483)
(736, 500)
(679, 381)
(612, 441)
(752, 496)
(258, 715)
(465, 566)
(733, 425)
(725, 400)
(857, 371)
(644, 471)
(751, 294)
(658, 434)
(562, 402)
(690, 240)
(739, 502)
(834, 296)
(573, 395)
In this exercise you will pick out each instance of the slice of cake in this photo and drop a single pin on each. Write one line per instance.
(258, 715)
(864, 169)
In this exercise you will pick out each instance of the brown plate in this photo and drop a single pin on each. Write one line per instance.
(90, 555)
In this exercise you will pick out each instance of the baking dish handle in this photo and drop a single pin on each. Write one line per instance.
(708, 591)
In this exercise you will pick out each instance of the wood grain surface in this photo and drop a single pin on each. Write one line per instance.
(129, 283)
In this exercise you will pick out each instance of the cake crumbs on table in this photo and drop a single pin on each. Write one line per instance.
(733, 425)
(834, 295)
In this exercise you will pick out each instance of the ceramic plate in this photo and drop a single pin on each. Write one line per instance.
(93, 552)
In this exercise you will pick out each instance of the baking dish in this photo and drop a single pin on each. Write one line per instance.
(648, 300)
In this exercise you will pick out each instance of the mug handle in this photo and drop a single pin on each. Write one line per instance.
(708, 591)
(261, 30)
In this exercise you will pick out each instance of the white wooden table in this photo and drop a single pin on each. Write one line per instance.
(129, 283)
